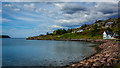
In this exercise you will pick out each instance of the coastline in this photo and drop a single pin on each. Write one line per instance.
(98, 41)
(107, 54)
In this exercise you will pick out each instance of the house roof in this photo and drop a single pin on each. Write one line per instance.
(80, 30)
(110, 33)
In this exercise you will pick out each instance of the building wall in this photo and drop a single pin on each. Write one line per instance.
(105, 36)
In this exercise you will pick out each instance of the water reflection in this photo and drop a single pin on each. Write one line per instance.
(21, 52)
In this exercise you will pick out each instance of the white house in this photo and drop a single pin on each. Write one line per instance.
(108, 24)
(79, 30)
(108, 35)
(74, 32)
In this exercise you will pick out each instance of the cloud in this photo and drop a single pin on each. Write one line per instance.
(46, 17)
(26, 19)
(6, 20)
(78, 15)
(59, 0)
(56, 26)
(8, 5)
(30, 6)
(59, 5)
(16, 9)
(0, 10)
(106, 8)
(70, 8)
(11, 6)
(40, 10)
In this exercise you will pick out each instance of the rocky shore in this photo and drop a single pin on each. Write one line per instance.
(107, 54)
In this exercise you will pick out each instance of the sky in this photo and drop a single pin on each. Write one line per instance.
(25, 19)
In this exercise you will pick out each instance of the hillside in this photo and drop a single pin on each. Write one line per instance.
(92, 31)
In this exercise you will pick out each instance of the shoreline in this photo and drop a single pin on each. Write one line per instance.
(98, 41)
(107, 54)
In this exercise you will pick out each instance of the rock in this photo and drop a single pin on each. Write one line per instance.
(73, 64)
(96, 64)
(108, 64)
(82, 62)
(109, 60)
(108, 55)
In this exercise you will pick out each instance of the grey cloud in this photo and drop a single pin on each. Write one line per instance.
(75, 15)
(71, 8)
(107, 8)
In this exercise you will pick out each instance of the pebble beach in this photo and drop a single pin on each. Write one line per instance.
(107, 54)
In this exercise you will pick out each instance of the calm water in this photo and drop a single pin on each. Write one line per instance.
(21, 52)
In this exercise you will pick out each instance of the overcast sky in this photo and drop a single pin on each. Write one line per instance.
(24, 19)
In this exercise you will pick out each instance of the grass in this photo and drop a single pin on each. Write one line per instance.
(79, 35)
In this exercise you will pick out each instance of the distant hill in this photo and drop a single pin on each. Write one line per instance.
(4, 36)
(91, 31)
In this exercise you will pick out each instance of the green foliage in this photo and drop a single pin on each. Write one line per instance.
(109, 18)
(95, 30)
(109, 29)
(47, 33)
(103, 24)
(118, 20)
(113, 24)
(95, 27)
(83, 26)
(98, 21)
(59, 31)
(69, 30)
(63, 31)
(118, 28)
(41, 35)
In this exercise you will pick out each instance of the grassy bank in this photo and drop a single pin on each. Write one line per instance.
(87, 34)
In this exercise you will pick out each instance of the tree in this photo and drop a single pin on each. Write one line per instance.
(119, 29)
(103, 24)
(64, 31)
(55, 32)
(95, 27)
(58, 32)
(47, 33)
(69, 30)
(109, 18)
(41, 35)
(93, 33)
(109, 29)
(118, 25)
(98, 21)
(83, 26)
(95, 30)
(113, 24)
